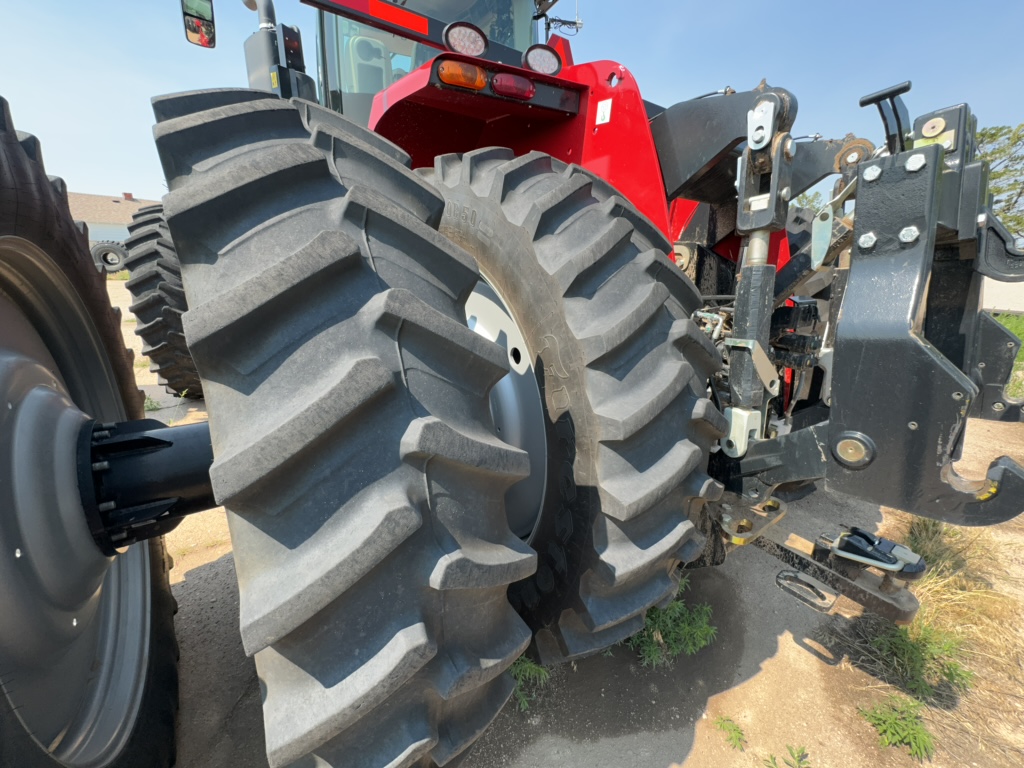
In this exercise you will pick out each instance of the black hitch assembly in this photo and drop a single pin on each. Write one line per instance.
(871, 571)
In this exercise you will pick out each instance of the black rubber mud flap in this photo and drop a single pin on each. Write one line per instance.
(34, 207)
(159, 302)
(623, 373)
(349, 415)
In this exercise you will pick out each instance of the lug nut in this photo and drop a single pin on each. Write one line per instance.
(867, 241)
(872, 172)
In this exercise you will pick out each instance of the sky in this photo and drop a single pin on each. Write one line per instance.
(81, 79)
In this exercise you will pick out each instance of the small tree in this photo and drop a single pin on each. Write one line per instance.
(1003, 147)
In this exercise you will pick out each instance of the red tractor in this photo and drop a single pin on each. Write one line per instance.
(463, 404)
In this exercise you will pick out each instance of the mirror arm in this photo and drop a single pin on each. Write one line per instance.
(268, 17)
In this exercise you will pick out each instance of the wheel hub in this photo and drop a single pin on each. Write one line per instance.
(516, 405)
(74, 634)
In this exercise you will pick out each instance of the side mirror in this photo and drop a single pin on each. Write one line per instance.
(199, 26)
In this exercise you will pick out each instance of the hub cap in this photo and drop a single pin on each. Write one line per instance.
(75, 628)
(515, 406)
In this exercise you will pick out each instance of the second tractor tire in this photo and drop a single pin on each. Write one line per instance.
(158, 302)
(623, 374)
(352, 439)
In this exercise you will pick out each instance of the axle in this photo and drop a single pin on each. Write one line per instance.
(138, 479)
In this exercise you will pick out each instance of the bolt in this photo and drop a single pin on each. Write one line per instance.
(947, 145)
(785, 193)
(867, 241)
(983, 220)
(909, 234)
(790, 148)
(872, 172)
(958, 395)
(912, 425)
(74, 622)
(17, 552)
(998, 406)
(99, 466)
(853, 157)
(916, 163)
(758, 134)
(851, 450)
(981, 365)
(1009, 344)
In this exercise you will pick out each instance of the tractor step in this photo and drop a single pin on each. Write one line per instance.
(868, 570)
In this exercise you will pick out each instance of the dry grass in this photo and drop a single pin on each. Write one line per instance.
(963, 655)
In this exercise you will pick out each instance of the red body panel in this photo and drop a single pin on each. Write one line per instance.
(610, 135)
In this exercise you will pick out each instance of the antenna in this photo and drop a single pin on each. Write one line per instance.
(563, 25)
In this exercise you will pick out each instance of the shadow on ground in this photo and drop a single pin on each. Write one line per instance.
(606, 711)
(610, 711)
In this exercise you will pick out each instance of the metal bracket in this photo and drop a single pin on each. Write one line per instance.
(890, 383)
(744, 426)
(821, 228)
(745, 529)
(761, 124)
(762, 363)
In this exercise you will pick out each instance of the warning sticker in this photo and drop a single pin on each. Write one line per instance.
(604, 112)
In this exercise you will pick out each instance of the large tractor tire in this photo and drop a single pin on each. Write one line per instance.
(88, 660)
(601, 323)
(352, 437)
(159, 302)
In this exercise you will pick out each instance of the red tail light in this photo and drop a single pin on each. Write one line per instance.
(513, 86)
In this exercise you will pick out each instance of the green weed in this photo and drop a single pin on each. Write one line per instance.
(1015, 324)
(733, 733)
(921, 658)
(798, 758)
(121, 276)
(899, 724)
(676, 629)
(151, 404)
(530, 677)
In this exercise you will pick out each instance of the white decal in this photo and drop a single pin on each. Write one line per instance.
(604, 112)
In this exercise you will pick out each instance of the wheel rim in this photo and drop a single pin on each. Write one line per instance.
(74, 639)
(516, 406)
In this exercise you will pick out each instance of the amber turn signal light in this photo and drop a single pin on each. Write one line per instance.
(462, 75)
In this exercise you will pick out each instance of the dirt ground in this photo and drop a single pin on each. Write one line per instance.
(764, 671)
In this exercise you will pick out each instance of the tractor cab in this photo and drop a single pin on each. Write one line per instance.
(359, 58)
